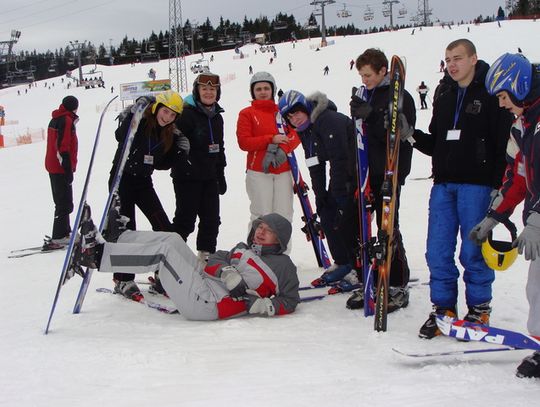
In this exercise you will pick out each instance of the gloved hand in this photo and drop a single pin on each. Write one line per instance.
(143, 100)
(222, 185)
(263, 306)
(528, 242)
(269, 157)
(480, 232)
(66, 165)
(406, 132)
(182, 142)
(360, 109)
(233, 281)
(279, 158)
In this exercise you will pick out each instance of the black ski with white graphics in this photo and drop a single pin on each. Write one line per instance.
(68, 260)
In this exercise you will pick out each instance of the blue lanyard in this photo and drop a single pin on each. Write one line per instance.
(150, 148)
(211, 131)
(460, 96)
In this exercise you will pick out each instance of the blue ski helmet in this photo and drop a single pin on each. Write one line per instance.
(512, 73)
(291, 99)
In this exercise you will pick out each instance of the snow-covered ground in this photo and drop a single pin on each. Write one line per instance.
(120, 353)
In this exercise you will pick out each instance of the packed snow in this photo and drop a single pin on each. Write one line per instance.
(121, 353)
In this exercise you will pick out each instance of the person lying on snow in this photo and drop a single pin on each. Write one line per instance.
(254, 278)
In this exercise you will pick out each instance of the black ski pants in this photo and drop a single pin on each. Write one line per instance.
(62, 193)
(140, 192)
(197, 198)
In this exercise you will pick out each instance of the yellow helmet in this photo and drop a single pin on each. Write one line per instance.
(170, 99)
(500, 255)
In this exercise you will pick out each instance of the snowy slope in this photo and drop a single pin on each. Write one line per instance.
(120, 353)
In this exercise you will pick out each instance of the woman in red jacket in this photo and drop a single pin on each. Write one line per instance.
(268, 175)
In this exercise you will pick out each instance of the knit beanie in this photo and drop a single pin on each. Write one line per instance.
(70, 103)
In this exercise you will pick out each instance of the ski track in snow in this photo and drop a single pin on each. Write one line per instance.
(119, 353)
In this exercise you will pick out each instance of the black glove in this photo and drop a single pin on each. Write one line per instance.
(222, 185)
(66, 165)
(142, 101)
(360, 109)
(182, 142)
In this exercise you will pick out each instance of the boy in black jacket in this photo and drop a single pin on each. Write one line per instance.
(372, 65)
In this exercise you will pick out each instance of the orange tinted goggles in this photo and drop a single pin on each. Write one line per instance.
(205, 79)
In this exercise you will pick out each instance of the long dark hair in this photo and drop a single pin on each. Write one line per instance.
(153, 130)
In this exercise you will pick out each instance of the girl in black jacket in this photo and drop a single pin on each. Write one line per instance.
(154, 147)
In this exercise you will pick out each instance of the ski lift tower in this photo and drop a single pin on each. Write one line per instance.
(6, 49)
(322, 3)
(388, 10)
(177, 62)
(78, 48)
(422, 18)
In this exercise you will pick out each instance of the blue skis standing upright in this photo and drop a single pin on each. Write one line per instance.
(82, 208)
(363, 258)
(312, 227)
(113, 199)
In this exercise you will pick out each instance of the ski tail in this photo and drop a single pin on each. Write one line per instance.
(113, 195)
(468, 331)
(312, 227)
(385, 235)
(70, 252)
(364, 238)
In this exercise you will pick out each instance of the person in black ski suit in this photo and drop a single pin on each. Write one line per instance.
(200, 180)
(327, 136)
(372, 65)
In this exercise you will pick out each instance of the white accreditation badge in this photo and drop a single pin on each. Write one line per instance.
(149, 159)
(453, 135)
(311, 161)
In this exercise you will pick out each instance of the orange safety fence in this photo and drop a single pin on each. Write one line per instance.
(23, 137)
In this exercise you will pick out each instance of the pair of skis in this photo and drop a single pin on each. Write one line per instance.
(83, 206)
(382, 249)
(312, 227)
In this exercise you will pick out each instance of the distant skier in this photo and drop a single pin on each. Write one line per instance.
(326, 70)
(441, 66)
(351, 64)
(422, 90)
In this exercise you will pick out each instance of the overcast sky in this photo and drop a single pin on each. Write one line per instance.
(51, 24)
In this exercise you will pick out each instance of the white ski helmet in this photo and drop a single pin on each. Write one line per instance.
(262, 77)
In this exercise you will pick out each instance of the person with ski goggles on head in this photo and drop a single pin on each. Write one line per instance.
(200, 180)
